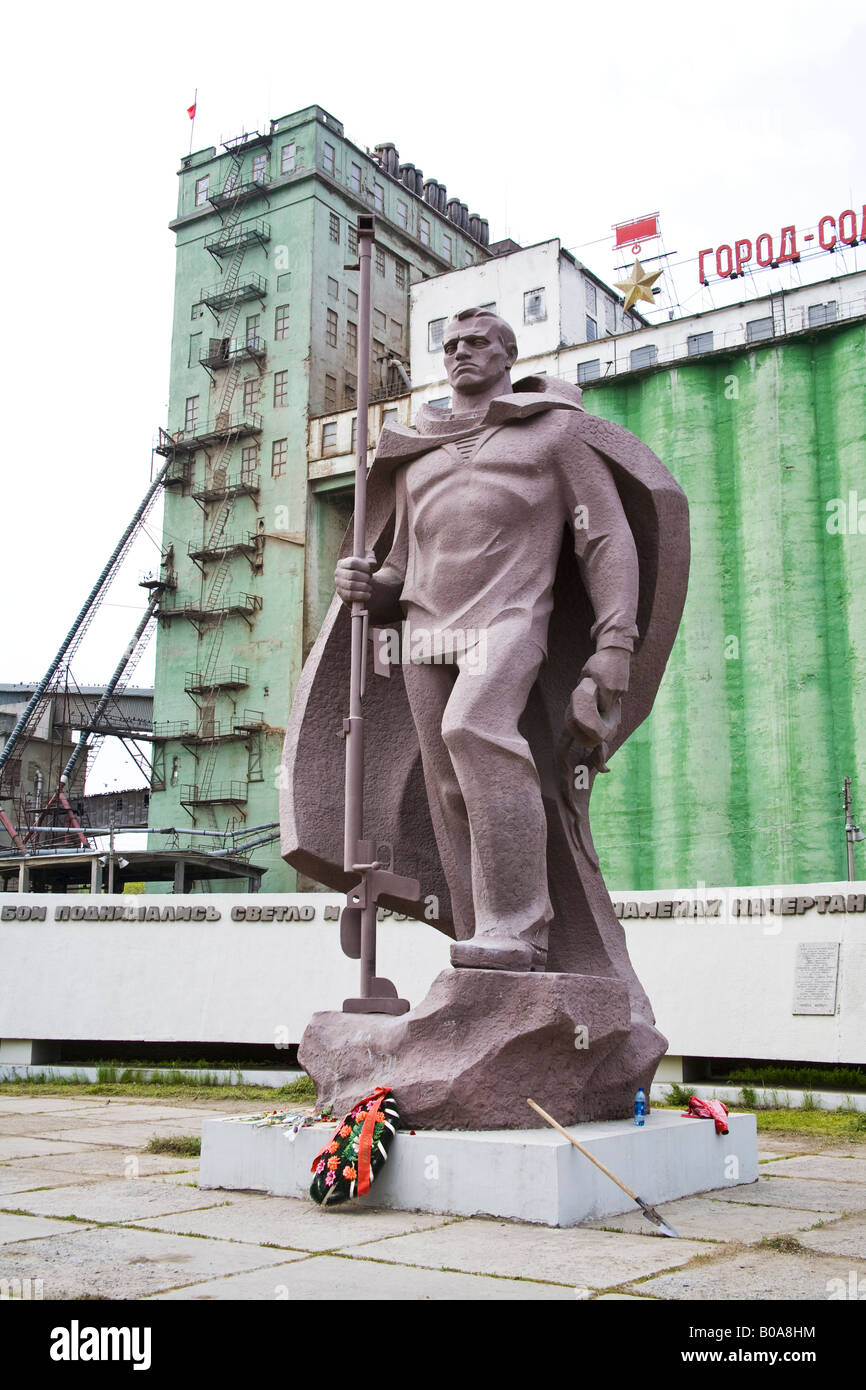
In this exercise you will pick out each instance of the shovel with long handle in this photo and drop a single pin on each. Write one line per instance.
(649, 1212)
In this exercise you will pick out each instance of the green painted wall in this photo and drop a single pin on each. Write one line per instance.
(736, 776)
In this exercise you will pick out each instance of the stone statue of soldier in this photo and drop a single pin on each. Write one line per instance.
(536, 559)
(479, 522)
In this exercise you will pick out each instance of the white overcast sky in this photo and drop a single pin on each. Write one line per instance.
(556, 121)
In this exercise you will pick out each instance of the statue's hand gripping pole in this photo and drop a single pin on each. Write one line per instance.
(358, 921)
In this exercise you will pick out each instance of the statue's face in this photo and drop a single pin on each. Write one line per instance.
(475, 357)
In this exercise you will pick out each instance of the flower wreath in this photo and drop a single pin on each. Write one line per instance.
(346, 1166)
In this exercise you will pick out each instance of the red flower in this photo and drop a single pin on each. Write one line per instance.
(349, 1172)
(333, 1163)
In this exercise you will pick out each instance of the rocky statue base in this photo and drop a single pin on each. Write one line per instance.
(471, 1052)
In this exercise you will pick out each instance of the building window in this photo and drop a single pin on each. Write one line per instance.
(379, 320)
(389, 417)
(402, 214)
(197, 311)
(591, 297)
(424, 231)
(329, 434)
(351, 336)
(380, 261)
(350, 392)
(534, 308)
(194, 350)
(447, 247)
(491, 308)
(351, 299)
(190, 419)
(378, 197)
(249, 460)
(287, 158)
(328, 158)
(175, 770)
(699, 342)
(281, 388)
(281, 321)
(251, 394)
(355, 178)
(354, 444)
(591, 329)
(379, 353)
(260, 165)
(333, 288)
(331, 394)
(645, 356)
(435, 334)
(467, 258)
(758, 329)
(284, 281)
(441, 403)
(588, 371)
(331, 329)
(609, 315)
(201, 190)
(822, 313)
(252, 333)
(400, 274)
(279, 457)
(352, 238)
(333, 226)
(397, 330)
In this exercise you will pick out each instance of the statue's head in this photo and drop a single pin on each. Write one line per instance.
(480, 349)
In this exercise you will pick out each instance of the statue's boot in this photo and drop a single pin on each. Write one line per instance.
(487, 951)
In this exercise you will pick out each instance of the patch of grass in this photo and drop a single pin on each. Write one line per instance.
(818, 1123)
(678, 1096)
(145, 1090)
(749, 1097)
(786, 1245)
(302, 1089)
(178, 1145)
(808, 1102)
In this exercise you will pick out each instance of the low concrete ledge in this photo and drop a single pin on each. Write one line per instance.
(526, 1175)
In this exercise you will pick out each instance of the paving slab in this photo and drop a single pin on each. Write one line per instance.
(107, 1162)
(296, 1224)
(133, 1199)
(14, 1228)
(818, 1166)
(562, 1255)
(755, 1275)
(325, 1277)
(127, 1136)
(24, 1146)
(41, 1105)
(845, 1237)
(701, 1218)
(123, 1263)
(807, 1194)
(21, 1176)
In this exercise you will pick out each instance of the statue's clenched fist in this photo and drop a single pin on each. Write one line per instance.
(352, 579)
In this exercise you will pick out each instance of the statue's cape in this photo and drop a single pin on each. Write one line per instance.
(585, 935)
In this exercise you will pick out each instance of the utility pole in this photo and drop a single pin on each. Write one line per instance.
(852, 831)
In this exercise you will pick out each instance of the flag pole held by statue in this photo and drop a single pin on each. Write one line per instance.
(358, 921)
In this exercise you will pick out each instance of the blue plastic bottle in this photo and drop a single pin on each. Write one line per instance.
(640, 1107)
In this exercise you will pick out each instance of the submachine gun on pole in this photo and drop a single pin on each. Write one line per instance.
(358, 921)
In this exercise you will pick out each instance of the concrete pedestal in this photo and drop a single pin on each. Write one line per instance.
(527, 1175)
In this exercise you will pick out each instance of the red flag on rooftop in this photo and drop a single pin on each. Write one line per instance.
(190, 111)
(638, 229)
